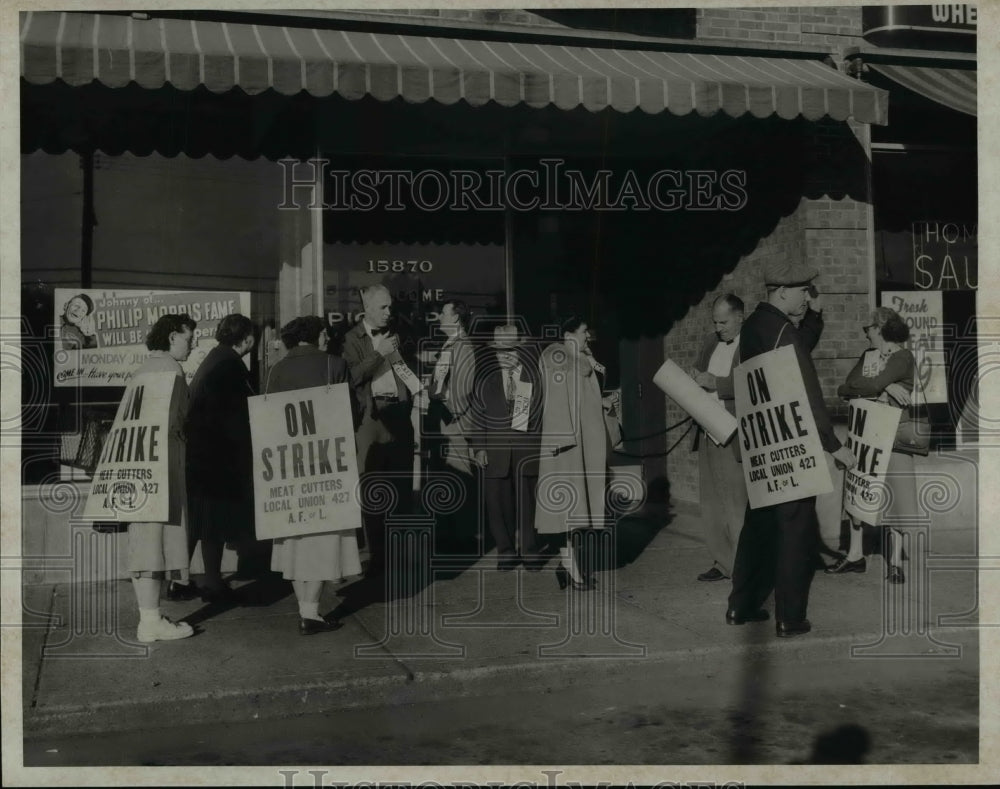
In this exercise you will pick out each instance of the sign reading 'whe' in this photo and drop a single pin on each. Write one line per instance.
(131, 481)
(871, 431)
(305, 468)
(779, 443)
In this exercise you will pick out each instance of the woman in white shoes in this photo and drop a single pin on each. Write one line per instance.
(156, 549)
(885, 373)
(311, 559)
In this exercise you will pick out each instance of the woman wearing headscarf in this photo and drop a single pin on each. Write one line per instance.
(155, 549)
(572, 467)
(885, 374)
(310, 560)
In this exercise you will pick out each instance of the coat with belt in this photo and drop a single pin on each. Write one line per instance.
(768, 328)
(572, 468)
(507, 449)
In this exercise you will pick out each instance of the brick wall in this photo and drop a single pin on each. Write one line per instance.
(827, 27)
(829, 230)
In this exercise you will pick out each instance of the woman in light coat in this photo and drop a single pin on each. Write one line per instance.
(311, 559)
(572, 469)
(156, 549)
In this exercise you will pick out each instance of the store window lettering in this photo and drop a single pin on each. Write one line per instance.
(956, 13)
(400, 266)
(941, 256)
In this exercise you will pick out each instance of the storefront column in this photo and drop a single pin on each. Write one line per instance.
(300, 283)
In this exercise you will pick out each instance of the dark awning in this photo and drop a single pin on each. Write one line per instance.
(954, 88)
(80, 48)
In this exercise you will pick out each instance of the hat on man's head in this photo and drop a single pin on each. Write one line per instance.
(506, 338)
(788, 273)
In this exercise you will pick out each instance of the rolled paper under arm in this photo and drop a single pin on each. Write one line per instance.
(705, 409)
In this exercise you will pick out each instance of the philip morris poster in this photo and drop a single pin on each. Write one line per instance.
(871, 431)
(922, 311)
(131, 481)
(305, 469)
(101, 334)
(782, 455)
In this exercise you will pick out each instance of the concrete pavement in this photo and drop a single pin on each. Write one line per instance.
(468, 633)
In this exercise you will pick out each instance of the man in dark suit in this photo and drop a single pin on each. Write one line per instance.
(507, 406)
(378, 376)
(718, 466)
(779, 544)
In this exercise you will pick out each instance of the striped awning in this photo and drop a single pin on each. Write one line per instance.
(79, 48)
(954, 88)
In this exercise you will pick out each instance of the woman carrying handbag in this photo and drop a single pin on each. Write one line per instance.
(886, 373)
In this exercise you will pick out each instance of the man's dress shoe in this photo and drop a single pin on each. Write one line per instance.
(737, 618)
(789, 629)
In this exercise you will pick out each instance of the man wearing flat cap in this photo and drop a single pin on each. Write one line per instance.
(508, 419)
(779, 544)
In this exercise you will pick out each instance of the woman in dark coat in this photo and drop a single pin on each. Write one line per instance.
(311, 559)
(219, 454)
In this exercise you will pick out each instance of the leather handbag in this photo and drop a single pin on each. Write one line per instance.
(913, 435)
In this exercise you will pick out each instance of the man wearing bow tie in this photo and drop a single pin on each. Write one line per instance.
(723, 491)
(385, 432)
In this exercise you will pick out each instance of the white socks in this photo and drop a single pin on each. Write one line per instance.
(149, 616)
(309, 610)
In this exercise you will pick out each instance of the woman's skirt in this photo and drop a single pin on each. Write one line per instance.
(902, 509)
(329, 556)
(157, 547)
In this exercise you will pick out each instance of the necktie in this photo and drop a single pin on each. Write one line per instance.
(510, 383)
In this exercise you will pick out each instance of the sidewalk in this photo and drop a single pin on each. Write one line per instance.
(517, 628)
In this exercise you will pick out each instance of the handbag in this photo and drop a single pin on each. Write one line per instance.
(913, 435)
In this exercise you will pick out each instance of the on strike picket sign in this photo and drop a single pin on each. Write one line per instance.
(131, 481)
(305, 468)
(871, 431)
(782, 454)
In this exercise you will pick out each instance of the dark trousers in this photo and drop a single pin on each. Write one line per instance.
(777, 551)
(510, 512)
(385, 463)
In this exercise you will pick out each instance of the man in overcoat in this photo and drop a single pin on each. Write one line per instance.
(779, 544)
(385, 431)
(507, 406)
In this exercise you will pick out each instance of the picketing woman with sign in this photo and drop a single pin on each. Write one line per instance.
(309, 560)
(155, 549)
(886, 373)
